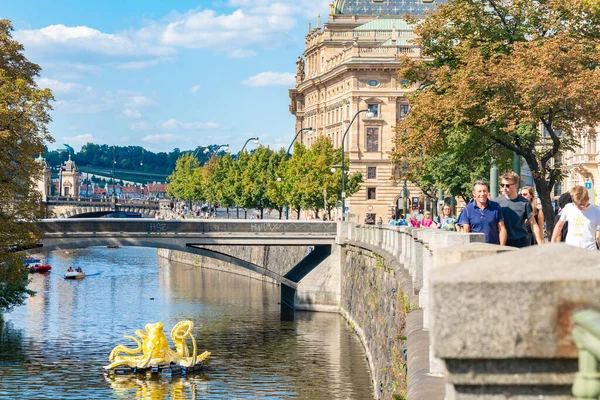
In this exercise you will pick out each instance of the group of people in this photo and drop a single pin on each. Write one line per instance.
(77, 269)
(513, 219)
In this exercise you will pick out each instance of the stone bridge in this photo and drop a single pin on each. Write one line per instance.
(69, 207)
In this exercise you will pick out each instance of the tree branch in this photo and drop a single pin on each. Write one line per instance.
(503, 19)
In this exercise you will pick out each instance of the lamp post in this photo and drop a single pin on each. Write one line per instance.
(310, 131)
(207, 150)
(369, 115)
(113, 173)
(252, 138)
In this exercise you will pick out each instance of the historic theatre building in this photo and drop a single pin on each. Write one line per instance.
(351, 64)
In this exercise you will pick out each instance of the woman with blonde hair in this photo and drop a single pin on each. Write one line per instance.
(538, 215)
(583, 220)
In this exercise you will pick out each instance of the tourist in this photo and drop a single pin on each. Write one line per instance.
(446, 221)
(379, 221)
(414, 222)
(370, 220)
(583, 220)
(516, 211)
(426, 222)
(538, 215)
(484, 216)
(563, 200)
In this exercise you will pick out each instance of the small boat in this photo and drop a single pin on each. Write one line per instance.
(30, 260)
(40, 268)
(74, 275)
(112, 246)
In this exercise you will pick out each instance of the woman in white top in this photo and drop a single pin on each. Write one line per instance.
(583, 220)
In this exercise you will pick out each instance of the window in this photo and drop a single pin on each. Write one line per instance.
(372, 139)
(402, 110)
(371, 172)
(373, 82)
(374, 108)
(371, 193)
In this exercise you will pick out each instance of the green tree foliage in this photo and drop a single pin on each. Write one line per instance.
(502, 72)
(185, 181)
(265, 179)
(24, 115)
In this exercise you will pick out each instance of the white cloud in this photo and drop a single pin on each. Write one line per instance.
(160, 138)
(129, 113)
(239, 53)
(271, 79)
(139, 101)
(62, 87)
(251, 25)
(139, 126)
(124, 139)
(83, 38)
(80, 140)
(194, 89)
(173, 124)
(138, 64)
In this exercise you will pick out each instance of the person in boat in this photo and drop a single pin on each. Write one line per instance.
(70, 269)
(78, 269)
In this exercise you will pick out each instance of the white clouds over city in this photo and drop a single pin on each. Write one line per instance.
(174, 125)
(194, 89)
(62, 87)
(247, 27)
(271, 79)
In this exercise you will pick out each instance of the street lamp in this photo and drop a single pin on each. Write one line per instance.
(113, 173)
(368, 115)
(252, 138)
(309, 131)
(217, 150)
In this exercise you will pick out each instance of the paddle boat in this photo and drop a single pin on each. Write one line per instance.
(40, 268)
(76, 273)
(30, 260)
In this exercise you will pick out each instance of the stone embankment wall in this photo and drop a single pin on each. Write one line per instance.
(376, 305)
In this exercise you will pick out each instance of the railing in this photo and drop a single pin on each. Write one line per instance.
(82, 201)
(586, 335)
(584, 158)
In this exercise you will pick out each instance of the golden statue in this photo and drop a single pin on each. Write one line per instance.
(155, 348)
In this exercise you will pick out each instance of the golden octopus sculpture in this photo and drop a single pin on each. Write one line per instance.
(155, 348)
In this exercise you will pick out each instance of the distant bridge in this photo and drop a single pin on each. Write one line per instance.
(70, 207)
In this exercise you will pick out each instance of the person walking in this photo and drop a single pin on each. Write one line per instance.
(483, 215)
(426, 222)
(583, 220)
(516, 211)
(538, 215)
(446, 221)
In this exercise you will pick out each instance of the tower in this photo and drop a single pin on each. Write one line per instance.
(69, 179)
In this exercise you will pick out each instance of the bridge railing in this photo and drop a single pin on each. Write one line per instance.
(83, 201)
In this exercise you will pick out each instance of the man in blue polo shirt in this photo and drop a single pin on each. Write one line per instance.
(485, 216)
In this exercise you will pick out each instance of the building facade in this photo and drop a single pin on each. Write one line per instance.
(351, 64)
(44, 181)
(69, 179)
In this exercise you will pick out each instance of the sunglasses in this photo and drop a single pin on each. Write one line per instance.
(506, 185)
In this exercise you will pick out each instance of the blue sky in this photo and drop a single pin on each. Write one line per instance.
(163, 74)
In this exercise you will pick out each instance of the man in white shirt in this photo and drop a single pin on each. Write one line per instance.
(583, 219)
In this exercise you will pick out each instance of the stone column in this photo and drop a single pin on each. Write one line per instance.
(503, 323)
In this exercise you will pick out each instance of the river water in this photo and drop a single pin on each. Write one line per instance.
(55, 345)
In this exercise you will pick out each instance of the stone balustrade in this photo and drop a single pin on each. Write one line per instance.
(499, 320)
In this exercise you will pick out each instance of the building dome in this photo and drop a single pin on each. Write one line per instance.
(385, 7)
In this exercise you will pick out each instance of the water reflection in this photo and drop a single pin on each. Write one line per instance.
(56, 344)
(154, 388)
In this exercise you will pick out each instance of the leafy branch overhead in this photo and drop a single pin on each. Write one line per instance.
(24, 115)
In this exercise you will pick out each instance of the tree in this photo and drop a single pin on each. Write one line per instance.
(520, 74)
(24, 115)
(184, 182)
